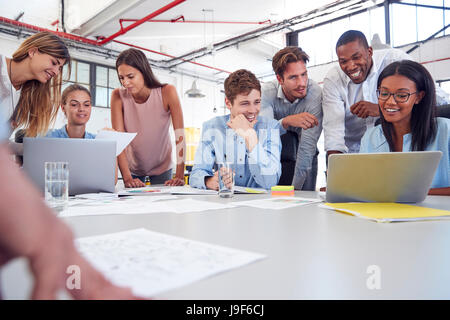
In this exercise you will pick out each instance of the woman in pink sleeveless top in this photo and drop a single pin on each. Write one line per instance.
(146, 106)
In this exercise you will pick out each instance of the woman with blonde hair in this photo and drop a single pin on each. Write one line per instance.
(30, 83)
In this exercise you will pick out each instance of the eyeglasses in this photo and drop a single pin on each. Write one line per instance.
(400, 97)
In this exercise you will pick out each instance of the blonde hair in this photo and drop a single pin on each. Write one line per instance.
(38, 104)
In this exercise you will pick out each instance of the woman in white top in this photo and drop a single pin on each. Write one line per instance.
(30, 83)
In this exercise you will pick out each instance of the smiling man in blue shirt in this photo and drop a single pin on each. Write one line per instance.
(250, 143)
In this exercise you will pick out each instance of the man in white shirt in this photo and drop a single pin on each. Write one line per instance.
(350, 104)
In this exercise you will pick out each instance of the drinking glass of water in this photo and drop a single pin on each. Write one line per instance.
(226, 180)
(57, 185)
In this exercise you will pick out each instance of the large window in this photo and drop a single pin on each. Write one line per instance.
(445, 85)
(101, 80)
(80, 74)
(411, 23)
(320, 42)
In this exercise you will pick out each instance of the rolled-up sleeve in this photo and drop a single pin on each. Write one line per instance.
(333, 117)
(264, 159)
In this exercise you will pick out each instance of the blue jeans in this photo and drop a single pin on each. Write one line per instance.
(159, 179)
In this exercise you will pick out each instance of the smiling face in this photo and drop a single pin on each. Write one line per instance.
(355, 60)
(77, 108)
(294, 80)
(247, 105)
(44, 66)
(399, 113)
(131, 78)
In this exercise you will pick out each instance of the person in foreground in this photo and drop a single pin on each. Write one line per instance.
(250, 143)
(28, 228)
(407, 103)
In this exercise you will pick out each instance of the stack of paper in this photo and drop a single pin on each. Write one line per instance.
(388, 212)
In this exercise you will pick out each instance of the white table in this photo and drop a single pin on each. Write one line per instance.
(312, 253)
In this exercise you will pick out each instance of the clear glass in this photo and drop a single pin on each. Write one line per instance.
(57, 185)
(226, 180)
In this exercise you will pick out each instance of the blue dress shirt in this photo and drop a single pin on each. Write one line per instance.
(62, 133)
(375, 141)
(259, 168)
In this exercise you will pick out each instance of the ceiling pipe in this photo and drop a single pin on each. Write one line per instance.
(72, 37)
(170, 56)
(323, 11)
(141, 21)
(200, 21)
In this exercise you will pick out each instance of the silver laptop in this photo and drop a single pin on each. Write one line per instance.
(381, 177)
(92, 162)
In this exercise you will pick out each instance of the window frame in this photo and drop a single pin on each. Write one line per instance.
(93, 80)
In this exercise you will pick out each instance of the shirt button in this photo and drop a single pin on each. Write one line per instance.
(240, 176)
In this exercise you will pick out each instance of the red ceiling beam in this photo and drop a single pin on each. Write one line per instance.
(39, 29)
(69, 36)
(141, 21)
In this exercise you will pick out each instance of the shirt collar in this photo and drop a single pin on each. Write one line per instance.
(64, 129)
(281, 95)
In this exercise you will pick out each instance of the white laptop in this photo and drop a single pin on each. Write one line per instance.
(381, 177)
(92, 162)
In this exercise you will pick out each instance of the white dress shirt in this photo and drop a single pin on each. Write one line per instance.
(9, 96)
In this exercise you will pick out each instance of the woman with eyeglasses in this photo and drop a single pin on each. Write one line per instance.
(407, 102)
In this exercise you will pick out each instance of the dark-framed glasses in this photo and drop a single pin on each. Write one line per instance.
(398, 96)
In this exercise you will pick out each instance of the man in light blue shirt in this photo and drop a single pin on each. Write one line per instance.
(249, 142)
(296, 102)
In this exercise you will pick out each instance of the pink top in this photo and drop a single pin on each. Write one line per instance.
(150, 152)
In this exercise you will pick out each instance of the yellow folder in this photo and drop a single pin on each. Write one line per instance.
(389, 212)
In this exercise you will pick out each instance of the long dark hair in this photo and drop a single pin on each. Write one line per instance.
(423, 115)
(137, 59)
